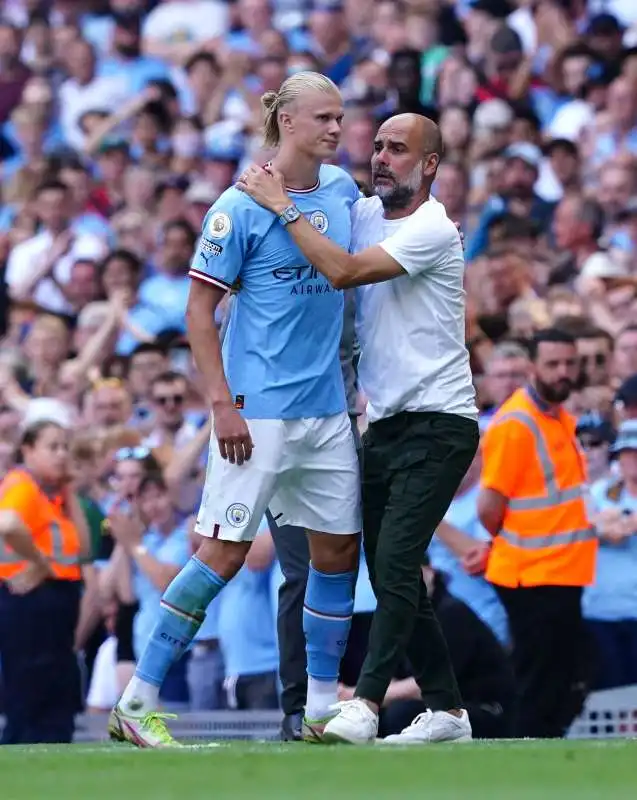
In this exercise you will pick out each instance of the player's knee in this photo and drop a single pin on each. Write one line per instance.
(334, 554)
(225, 558)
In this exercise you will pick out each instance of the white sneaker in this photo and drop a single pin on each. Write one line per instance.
(433, 726)
(355, 723)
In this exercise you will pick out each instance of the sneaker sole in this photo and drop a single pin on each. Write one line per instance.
(335, 738)
(467, 737)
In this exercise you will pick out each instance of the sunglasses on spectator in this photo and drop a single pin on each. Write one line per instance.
(132, 454)
(165, 399)
(599, 359)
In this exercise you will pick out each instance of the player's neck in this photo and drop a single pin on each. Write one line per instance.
(301, 172)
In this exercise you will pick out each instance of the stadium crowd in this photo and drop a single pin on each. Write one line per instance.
(122, 121)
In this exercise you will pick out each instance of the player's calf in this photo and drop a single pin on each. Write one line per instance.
(327, 618)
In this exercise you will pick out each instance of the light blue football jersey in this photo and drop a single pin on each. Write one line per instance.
(281, 350)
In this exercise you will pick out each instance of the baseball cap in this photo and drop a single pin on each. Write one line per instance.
(601, 265)
(604, 25)
(627, 392)
(593, 424)
(626, 436)
(526, 152)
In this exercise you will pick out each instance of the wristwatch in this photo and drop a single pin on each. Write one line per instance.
(140, 550)
(289, 214)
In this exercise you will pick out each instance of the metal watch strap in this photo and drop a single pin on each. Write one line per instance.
(289, 214)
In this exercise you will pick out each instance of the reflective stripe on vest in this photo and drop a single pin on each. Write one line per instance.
(553, 496)
(530, 542)
(8, 556)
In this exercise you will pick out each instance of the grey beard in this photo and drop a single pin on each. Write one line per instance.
(397, 198)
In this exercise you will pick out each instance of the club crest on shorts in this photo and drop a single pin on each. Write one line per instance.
(319, 221)
(238, 515)
(219, 225)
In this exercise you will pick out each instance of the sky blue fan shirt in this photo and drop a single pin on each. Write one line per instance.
(613, 594)
(246, 622)
(281, 351)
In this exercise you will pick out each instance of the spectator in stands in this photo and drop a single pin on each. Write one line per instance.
(625, 354)
(595, 350)
(169, 395)
(577, 225)
(147, 361)
(506, 369)
(13, 73)
(152, 537)
(610, 604)
(595, 435)
(41, 266)
(517, 194)
(247, 633)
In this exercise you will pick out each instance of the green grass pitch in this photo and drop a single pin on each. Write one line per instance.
(252, 771)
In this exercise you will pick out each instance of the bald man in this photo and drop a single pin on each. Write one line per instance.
(414, 369)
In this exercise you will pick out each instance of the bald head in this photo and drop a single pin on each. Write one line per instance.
(407, 151)
(421, 132)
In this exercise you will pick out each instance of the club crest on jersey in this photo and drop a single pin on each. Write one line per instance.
(238, 515)
(319, 221)
(219, 225)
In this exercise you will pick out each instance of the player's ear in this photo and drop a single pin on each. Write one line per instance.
(285, 121)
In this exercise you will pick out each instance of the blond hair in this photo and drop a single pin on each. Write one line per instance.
(291, 89)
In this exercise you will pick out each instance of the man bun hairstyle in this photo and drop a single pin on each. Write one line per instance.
(273, 102)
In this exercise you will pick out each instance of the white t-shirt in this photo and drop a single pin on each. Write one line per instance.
(105, 93)
(412, 328)
(27, 257)
(184, 21)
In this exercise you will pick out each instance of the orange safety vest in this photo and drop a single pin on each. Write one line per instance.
(54, 534)
(546, 537)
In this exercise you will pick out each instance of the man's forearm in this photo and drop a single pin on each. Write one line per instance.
(206, 345)
(329, 259)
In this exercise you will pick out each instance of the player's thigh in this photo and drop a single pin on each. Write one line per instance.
(321, 489)
(235, 498)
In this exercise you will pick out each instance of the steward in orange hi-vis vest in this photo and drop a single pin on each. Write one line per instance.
(532, 459)
(54, 534)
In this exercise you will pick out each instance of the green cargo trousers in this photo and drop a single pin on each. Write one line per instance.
(413, 464)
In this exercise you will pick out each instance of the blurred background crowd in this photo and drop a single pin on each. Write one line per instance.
(121, 122)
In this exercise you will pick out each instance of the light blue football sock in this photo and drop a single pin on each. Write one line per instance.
(327, 617)
(183, 609)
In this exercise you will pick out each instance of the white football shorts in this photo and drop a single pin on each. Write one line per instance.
(304, 470)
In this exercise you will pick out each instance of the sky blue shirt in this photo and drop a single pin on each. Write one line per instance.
(246, 624)
(613, 595)
(138, 71)
(170, 293)
(281, 351)
(473, 590)
(151, 319)
(172, 549)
